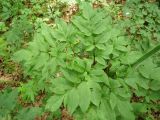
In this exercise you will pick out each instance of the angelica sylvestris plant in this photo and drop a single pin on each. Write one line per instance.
(84, 66)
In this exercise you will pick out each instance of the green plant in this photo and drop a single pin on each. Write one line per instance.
(31, 113)
(3, 27)
(19, 32)
(10, 8)
(86, 67)
(55, 8)
(145, 83)
(142, 23)
(8, 103)
(10, 107)
(75, 59)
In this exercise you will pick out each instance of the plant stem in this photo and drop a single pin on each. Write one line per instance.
(146, 55)
(94, 53)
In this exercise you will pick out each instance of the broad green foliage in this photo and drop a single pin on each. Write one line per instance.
(8, 102)
(10, 8)
(143, 24)
(20, 30)
(28, 113)
(146, 81)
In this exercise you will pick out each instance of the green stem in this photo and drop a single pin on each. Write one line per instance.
(147, 55)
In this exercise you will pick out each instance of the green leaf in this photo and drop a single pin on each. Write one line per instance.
(22, 55)
(46, 33)
(146, 68)
(103, 38)
(41, 60)
(155, 85)
(59, 36)
(94, 85)
(60, 86)
(122, 48)
(78, 65)
(154, 95)
(108, 51)
(125, 109)
(71, 75)
(40, 42)
(34, 48)
(54, 103)
(101, 46)
(103, 78)
(131, 57)
(91, 114)
(113, 100)
(155, 74)
(78, 23)
(100, 27)
(90, 48)
(141, 92)
(96, 97)
(139, 107)
(132, 82)
(87, 10)
(105, 112)
(28, 90)
(61, 82)
(84, 96)
(144, 72)
(121, 41)
(98, 17)
(144, 83)
(100, 60)
(72, 100)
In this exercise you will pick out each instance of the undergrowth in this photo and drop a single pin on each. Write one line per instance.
(102, 65)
